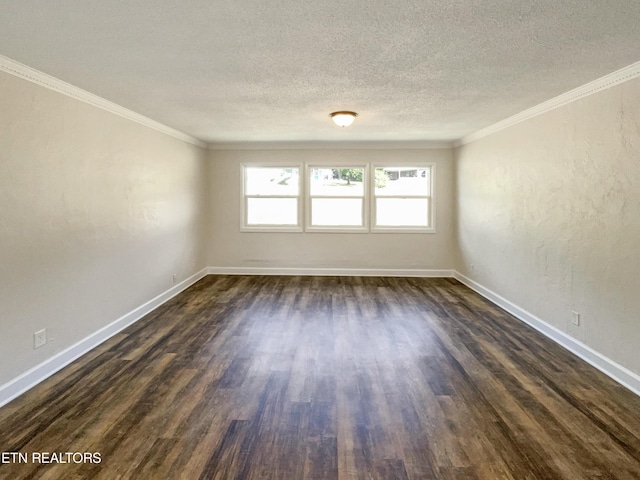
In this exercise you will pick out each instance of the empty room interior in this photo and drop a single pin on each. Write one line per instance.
(320, 240)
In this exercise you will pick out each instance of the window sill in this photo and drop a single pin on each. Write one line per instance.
(271, 229)
(336, 230)
(402, 230)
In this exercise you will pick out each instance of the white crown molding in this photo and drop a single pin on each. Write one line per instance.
(332, 272)
(620, 374)
(29, 379)
(25, 72)
(32, 75)
(337, 145)
(619, 76)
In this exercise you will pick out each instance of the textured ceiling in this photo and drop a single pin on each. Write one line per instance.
(256, 70)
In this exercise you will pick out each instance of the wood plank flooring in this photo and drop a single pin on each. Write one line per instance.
(327, 378)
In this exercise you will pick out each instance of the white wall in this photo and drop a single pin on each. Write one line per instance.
(228, 247)
(549, 218)
(96, 214)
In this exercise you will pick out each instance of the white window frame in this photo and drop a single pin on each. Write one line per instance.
(364, 228)
(244, 227)
(431, 228)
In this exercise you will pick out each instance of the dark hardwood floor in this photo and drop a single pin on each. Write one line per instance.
(327, 378)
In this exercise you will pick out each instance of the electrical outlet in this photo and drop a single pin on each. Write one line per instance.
(39, 338)
(575, 318)
(175, 278)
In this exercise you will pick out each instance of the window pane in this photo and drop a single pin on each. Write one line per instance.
(402, 212)
(342, 182)
(400, 181)
(271, 181)
(336, 212)
(272, 211)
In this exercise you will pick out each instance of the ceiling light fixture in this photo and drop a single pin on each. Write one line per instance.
(343, 119)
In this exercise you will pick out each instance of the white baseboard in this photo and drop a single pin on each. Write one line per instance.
(32, 377)
(331, 272)
(37, 374)
(620, 374)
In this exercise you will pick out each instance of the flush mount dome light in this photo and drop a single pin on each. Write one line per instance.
(343, 119)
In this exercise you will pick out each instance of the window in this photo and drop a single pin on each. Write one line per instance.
(271, 198)
(402, 199)
(358, 198)
(336, 199)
